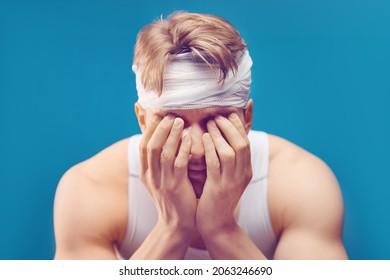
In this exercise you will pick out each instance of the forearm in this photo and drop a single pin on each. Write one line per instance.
(232, 244)
(164, 243)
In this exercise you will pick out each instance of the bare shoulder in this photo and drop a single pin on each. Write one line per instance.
(90, 208)
(303, 190)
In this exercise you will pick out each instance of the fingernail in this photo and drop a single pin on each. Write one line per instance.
(233, 115)
(186, 138)
(219, 118)
(212, 124)
(176, 122)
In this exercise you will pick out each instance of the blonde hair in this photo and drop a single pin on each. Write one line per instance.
(209, 38)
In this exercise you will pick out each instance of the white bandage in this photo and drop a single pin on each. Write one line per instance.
(189, 84)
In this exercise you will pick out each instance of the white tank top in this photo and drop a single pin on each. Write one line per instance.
(253, 218)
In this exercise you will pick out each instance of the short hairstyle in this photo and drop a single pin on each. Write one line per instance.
(211, 38)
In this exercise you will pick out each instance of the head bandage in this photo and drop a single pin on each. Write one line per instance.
(189, 84)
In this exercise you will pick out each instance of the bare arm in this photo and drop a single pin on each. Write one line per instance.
(82, 225)
(86, 220)
(312, 214)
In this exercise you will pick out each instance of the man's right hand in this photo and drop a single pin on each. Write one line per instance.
(164, 161)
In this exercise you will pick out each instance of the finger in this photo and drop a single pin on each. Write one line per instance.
(225, 152)
(238, 141)
(144, 142)
(232, 134)
(242, 158)
(156, 143)
(212, 161)
(236, 121)
(170, 148)
(181, 161)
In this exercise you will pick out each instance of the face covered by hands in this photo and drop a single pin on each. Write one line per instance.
(207, 156)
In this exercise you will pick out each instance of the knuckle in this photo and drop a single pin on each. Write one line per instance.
(169, 190)
(214, 164)
(180, 164)
(244, 143)
(151, 149)
(142, 148)
(242, 146)
(166, 156)
(228, 155)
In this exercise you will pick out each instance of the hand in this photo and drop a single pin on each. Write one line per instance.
(163, 170)
(229, 171)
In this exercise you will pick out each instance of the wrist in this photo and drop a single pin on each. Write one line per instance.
(176, 231)
(216, 230)
(217, 237)
(164, 242)
(177, 223)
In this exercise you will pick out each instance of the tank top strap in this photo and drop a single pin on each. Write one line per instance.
(254, 217)
(140, 204)
(259, 154)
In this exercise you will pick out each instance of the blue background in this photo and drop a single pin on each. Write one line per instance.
(320, 79)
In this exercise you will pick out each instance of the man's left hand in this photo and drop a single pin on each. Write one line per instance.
(229, 171)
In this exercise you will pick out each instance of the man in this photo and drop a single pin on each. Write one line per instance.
(198, 183)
